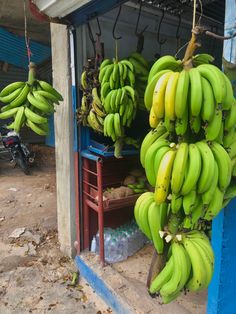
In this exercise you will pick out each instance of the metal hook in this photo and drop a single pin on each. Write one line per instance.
(91, 37)
(114, 27)
(161, 42)
(99, 28)
(136, 28)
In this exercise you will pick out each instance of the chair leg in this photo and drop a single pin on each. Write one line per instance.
(86, 207)
(100, 211)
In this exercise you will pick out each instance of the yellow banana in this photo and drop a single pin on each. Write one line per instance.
(170, 96)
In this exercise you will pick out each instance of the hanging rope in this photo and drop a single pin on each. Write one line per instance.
(194, 14)
(27, 40)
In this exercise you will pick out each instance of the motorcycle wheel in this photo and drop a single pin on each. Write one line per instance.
(22, 163)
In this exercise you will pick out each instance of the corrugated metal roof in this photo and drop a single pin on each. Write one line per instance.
(59, 8)
(13, 50)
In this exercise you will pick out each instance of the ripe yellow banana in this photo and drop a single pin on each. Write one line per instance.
(170, 96)
(164, 176)
(158, 101)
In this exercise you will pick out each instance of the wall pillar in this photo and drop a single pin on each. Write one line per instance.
(64, 138)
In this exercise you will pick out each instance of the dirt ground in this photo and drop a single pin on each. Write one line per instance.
(35, 277)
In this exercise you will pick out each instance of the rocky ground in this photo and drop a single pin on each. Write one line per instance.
(35, 277)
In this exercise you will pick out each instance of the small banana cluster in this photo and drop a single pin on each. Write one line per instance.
(29, 103)
(199, 98)
(118, 96)
(196, 174)
(151, 218)
(141, 69)
(91, 112)
(190, 267)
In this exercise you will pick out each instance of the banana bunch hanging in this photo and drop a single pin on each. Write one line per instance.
(29, 103)
(189, 158)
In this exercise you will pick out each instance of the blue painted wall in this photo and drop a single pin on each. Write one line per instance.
(13, 50)
(222, 290)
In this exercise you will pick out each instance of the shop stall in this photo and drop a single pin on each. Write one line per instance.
(118, 31)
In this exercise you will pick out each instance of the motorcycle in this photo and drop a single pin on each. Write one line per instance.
(19, 152)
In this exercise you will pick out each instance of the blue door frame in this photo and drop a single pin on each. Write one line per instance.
(221, 292)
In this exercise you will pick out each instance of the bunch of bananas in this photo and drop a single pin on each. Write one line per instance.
(91, 112)
(141, 69)
(196, 175)
(118, 96)
(200, 98)
(190, 266)
(189, 158)
(29, 103)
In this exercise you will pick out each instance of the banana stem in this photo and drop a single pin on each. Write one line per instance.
(192, 46)
(157, 264)
(174, 222)
(32, 73)
(118, 147)
(116, 44)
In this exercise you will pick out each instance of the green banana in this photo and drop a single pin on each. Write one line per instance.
(163, 63)
(43, 106)
(176, 202)
(229, 96)
(224, 165)
(48, 88)
(47, 95)
(117, 125)
(198, 279)
(11, 88)
(140, 59)
(230, 119)
(19, 118)
(179, 166)
(182, 94)
(172, 285)
(195, 92)
(213, 128)
(193, 170)
(37, 129)
(21, 98)
(215, 205)
(143, 216)
(213, 75)
(209, 194)
(138, 204)
(208, 105)
(149, 139)
(9, 113)
(163, 277)
(208, 167)
(181, 124)
(150, 158)
(12, 96)
(154, 220)
(229, 137)
(189, 202)
(34, 117)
